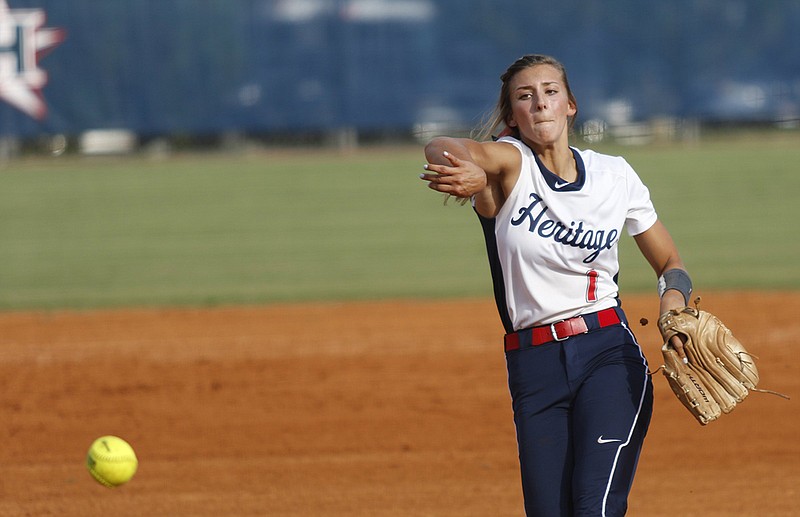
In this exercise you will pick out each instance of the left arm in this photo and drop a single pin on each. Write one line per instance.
(659, 249)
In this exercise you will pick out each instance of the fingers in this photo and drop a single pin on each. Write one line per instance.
(444, 168)
(437, 174)
(442, 183)
(677, 344)
(438, 170)
(439, 177)
(452, 159)
(461, 178)
(445, 183)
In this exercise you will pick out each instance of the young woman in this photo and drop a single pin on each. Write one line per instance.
(552, 217)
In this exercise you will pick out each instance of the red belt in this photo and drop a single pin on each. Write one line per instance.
(561, 330)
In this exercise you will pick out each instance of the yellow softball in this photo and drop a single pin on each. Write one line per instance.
(111, 461)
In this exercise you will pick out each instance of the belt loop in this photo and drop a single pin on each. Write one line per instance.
(512, 341)
(608, 317)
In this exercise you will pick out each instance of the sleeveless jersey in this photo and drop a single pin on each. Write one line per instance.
(553, 246)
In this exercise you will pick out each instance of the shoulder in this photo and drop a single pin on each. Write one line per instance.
(604, 162)
(507, 146)
(613, 170)
(517, 146)
(501, 157)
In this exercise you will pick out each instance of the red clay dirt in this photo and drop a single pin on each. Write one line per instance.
(351, 409)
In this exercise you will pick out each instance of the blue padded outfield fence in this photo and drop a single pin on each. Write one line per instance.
(194, 67)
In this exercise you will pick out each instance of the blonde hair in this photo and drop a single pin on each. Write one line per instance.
(498, 118)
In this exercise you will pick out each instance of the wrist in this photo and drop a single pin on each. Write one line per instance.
(675, 282)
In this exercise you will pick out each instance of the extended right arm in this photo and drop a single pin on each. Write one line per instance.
(465, 168)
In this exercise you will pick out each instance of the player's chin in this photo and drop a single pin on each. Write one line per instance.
(548, 128)
(543, 136)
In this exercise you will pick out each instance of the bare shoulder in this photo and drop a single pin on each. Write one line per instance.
(497, 158)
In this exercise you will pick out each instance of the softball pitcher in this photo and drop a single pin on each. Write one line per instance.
(552, 217)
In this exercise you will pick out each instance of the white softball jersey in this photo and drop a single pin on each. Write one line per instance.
(553, 246)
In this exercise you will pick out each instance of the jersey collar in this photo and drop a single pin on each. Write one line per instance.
(556, 183)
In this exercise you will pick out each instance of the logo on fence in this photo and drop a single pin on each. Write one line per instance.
(23, 40)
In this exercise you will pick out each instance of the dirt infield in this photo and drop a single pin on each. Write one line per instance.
(373, 409)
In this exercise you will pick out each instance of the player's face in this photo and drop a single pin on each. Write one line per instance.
(540, 105)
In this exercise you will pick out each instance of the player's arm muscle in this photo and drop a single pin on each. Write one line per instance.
(659, 249)
(465, 168)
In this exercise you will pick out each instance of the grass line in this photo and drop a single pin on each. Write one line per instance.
(271, 226)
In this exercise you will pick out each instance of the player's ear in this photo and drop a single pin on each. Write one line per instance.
(510, 122)
(572, 109)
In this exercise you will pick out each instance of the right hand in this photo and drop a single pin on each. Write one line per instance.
(461, 178)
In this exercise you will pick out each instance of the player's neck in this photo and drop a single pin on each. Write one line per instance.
(560, 161)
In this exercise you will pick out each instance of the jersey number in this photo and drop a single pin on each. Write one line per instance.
(591, 288)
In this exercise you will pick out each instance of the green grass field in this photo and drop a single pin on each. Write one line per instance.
(270, 226)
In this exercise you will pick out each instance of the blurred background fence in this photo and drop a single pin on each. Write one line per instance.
(351, 69)
(89, 77)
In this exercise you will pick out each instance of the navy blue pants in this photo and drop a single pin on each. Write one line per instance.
(581, 409)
